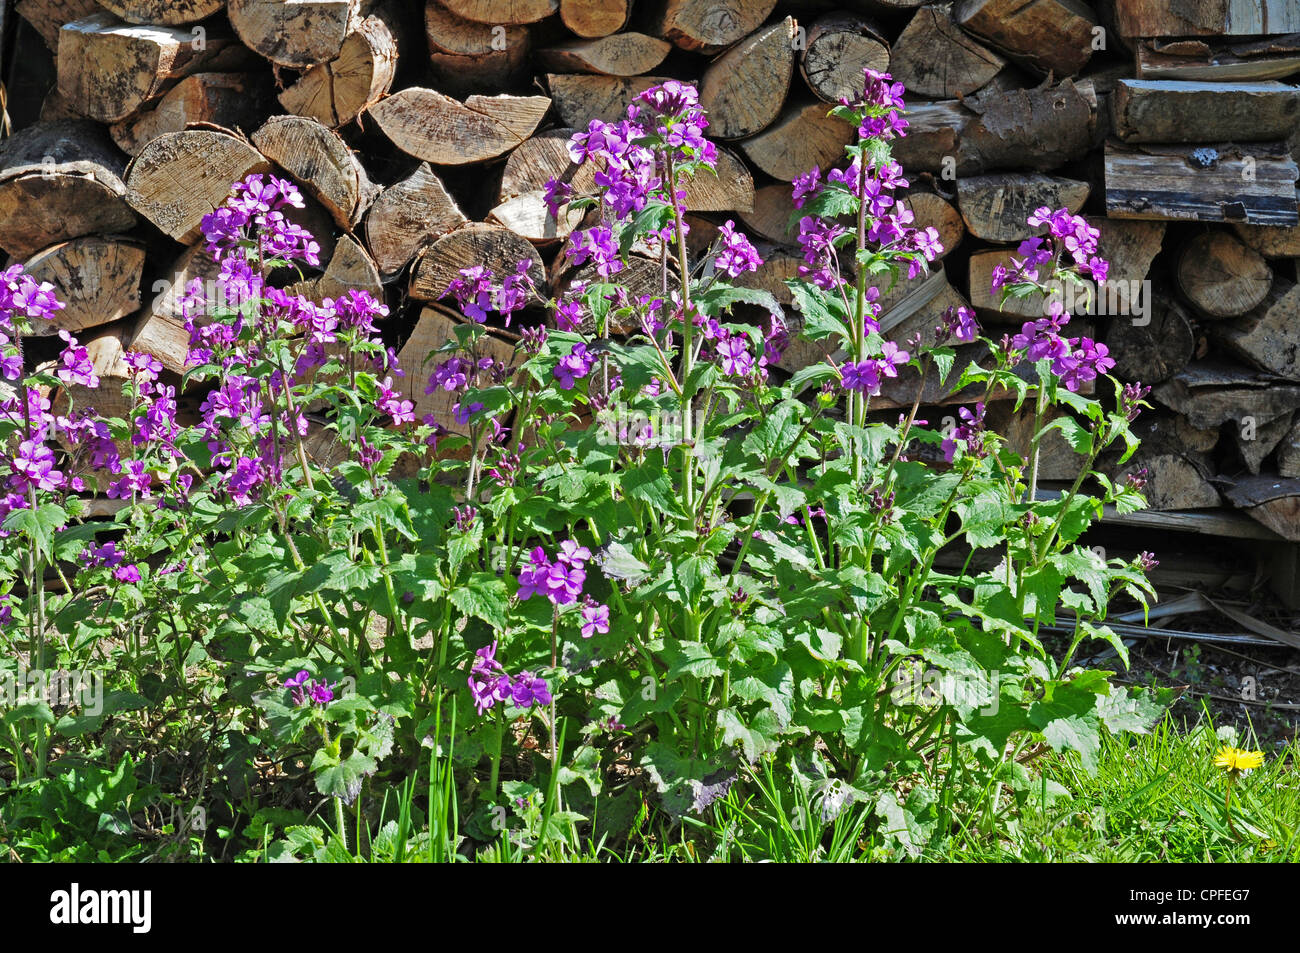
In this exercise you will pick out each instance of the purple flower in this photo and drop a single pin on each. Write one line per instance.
(127, 573)
(737, 255)
(959, 323)
(598, 245)
(595, 618)
(863, 376)
(473, 292)
(574, 366)
(968, 435)
(391, 402)
(528, 689)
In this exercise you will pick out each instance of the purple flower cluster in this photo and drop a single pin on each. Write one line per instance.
(869, 376)
(489, 683)
(663, 131)
(888, 223)
(967, 435)
(736, 255)
(304, 689)
(958, 324)
(1075, 360)
(478, 294)
(246, 418)
(560, 581)
(574, 366)
(30, 466)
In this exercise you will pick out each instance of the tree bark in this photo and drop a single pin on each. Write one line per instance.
(408, 216)
(59, 181)
(744, 89)
(1221, 277)
(182, 176)
(321, 161)
(434, 127)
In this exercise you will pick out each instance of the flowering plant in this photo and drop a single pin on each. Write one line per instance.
(753, 572)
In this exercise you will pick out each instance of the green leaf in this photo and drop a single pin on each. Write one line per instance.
(823, 316)
(482, 596)
(757, 738)
(342, 779)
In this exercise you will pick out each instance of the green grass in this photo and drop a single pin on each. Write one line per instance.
(1154, 798)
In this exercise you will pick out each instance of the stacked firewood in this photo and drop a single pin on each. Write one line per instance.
(423, 135)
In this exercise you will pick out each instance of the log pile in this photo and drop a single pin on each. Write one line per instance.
(422, 134)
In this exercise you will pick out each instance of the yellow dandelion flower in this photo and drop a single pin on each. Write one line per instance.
(1238, 761)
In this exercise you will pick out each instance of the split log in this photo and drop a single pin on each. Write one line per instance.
(1038, 129)
(744, 89)
(502, 12)
(541, 158)
(1154, 350)
(706, 26)
(297, 34)
(160, 326)
(321, 161)
(803, 137)
(527, 216)
(409, 215)
(1211, 393)
(163, 12)
(96, 278)
(1130, 247)
(336, 92)
(770, 215)
(1034, 129)
(182, 176)
(931, 210)
(1143, 18)
(580, 98)
(59, 181)
(350, 267)
(47, 17)
(470, 57)
(1056, 459)
(430, 126)
(1215, 60)
(106, 348)
(933, 140)
(838, 48)
(1271, 241)
(419, 357)
(1251, 183)
(1268, 336)
(231, 100)
(1177, 111)
(1270, 500)
(731, 190)
(995, 207)
(1049, 36)
(1256, 440)
(475, 244)
(521, 205)
(109, 69)
(1288, 453)
(933, 57)
(1221, 277)
(1178, 471)
(591, 19)
(622, 54)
